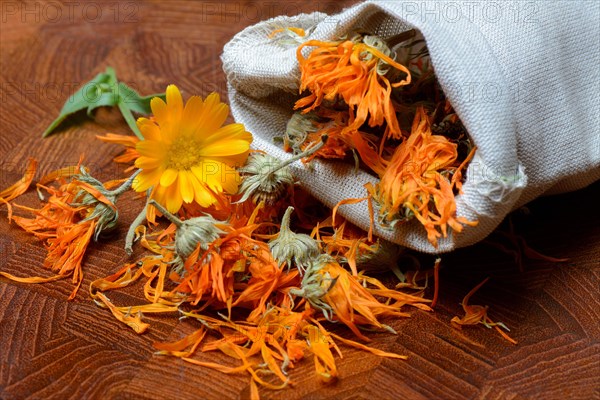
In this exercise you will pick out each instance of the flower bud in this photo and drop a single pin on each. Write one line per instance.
(267, 178)
(191, 232)
(199, 230)
(291, 247)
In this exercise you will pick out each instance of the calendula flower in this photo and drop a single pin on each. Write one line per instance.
(193, 232)
(99, 201)
(304, 130)
(188, 155)
(76, 212)
(293, 248)
(210, 272)
(416, 182)
(267, 280)
(343, 297)
(266, 178)
(314, 286)
(355, 71)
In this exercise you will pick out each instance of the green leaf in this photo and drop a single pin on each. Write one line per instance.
(105, 91)
(105, 99)
(135, 102)
(130, 101)
(80, 100)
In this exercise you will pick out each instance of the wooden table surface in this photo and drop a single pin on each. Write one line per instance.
(53, 348)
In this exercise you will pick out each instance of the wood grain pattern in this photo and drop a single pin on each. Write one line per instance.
(51, 348)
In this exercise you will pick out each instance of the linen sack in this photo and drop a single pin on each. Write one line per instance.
(523, 77)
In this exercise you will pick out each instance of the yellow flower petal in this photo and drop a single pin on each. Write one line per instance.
(225, 148)
(173, 198)
(210, 172)
(168, 177)
(218, 176)
(144, 162)
(151, 148)
(146, 179)
(174, 102)
(214, 113)
(198, 172)
(160, 111)
(185, 186)
(149, 129)
(160, 194)
(227, 133)
(202, 195)
(191, 115)
(237, 160)
(229, 181)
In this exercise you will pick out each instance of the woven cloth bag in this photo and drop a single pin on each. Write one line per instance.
(522, 76)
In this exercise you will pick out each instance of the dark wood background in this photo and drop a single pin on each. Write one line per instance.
(51, 348)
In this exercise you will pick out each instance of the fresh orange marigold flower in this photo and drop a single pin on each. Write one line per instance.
(187, 154)
(356, 72)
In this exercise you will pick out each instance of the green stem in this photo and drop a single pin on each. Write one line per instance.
(136, 222)
(167, 214)
(306, 153)
(130, 120)
(285, 221)
(125, 186)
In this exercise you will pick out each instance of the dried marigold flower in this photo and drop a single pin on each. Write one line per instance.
(353, 70)
(99, 201)
(298, 129)
(76, 211)
(289, 247)
(266, 178)
(316, 283)
(420, 181)
(191, 232)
